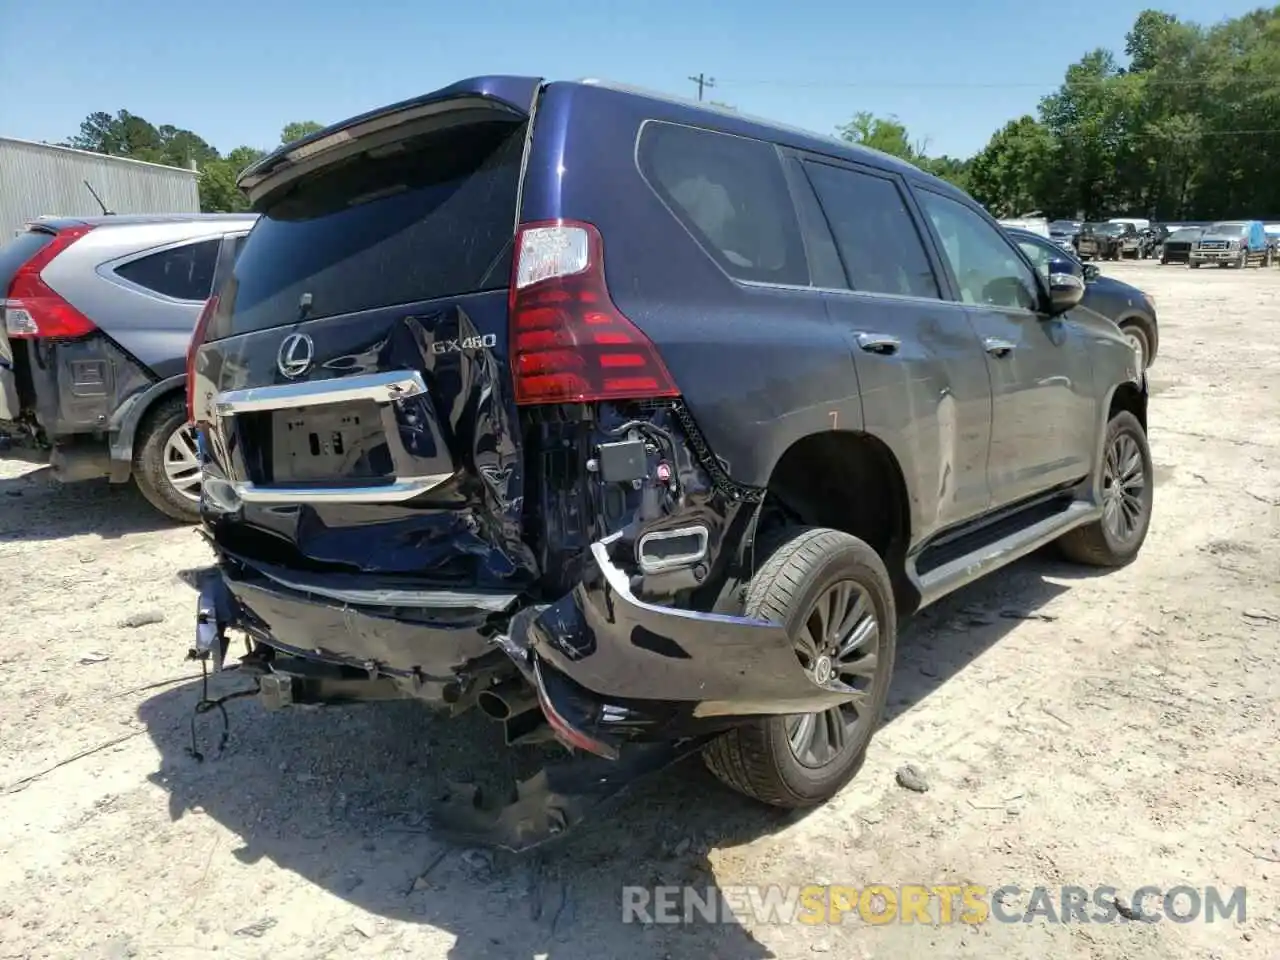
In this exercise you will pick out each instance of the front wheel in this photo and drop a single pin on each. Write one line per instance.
(1139, 341)
(832, 593)
(1127, 497)
(166, 465)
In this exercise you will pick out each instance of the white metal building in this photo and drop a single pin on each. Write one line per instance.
(39, 179)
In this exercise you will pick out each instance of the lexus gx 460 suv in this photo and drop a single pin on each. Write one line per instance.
(637, 425)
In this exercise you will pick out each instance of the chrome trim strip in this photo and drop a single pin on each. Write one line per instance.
(619, 583)
(401, 488)
(678, 560)
(378, 387)
(392, 597)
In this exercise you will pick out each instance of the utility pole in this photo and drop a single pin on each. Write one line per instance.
(702, 80)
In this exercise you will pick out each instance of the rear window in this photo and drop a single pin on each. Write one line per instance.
(17, 252)
(731, 195)
(423, 218)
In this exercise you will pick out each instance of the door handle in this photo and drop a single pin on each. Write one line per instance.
(999, 348)
(879, 343)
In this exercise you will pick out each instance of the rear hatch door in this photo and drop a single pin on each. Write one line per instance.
(353, 376)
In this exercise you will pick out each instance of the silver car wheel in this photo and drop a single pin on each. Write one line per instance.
(182, 462)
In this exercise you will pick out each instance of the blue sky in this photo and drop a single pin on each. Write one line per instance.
(235, 71)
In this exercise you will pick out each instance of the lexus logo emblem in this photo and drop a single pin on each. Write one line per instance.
(296, 353)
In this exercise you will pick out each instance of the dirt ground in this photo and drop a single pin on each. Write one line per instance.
(1074, 728)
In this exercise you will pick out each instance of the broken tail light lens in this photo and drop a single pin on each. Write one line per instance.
(569, 342)
(34, 309)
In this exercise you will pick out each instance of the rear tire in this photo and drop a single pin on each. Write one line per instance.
(1128, 477)
(776, 760)
(154, 451)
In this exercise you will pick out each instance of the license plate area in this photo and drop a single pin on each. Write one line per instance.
(342, 440)
(332, 443)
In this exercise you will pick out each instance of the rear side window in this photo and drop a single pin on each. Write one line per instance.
(877, 239)
(731, 195)
(184, 273)
(427, 217)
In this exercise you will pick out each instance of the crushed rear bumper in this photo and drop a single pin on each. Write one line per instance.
(608, 667)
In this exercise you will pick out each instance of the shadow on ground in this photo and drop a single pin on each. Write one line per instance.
(338, 796)
(36, 507)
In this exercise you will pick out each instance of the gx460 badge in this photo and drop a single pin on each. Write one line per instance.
(487, 341)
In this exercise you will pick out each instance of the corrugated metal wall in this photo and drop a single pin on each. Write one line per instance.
(38, 179)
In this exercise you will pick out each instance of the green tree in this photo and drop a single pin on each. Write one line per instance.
(885, 134)
(218, 190)
(1185, 125)
(182, 148)
(1011, 175)
(299, 129)
(950, 169)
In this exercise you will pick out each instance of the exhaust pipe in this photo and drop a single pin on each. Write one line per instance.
(507, 700)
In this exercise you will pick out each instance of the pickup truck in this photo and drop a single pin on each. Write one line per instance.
(1233, 243)
(1107, 241)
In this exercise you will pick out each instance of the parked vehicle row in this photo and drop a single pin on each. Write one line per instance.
(1227, 243)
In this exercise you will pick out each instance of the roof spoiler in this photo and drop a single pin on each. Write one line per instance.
(512, 95)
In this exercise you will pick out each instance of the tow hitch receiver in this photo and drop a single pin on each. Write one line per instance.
(558, 797)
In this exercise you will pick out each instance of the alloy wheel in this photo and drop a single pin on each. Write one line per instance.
(839, 647)
(182, 462)
(1124, 490)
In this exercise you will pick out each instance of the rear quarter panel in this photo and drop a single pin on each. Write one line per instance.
(759, 366)
(152, 328)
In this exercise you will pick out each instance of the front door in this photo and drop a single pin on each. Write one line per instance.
(1044, 413)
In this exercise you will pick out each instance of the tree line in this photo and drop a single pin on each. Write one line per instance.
(126, 134)
(1184, 126)
(1181, 126)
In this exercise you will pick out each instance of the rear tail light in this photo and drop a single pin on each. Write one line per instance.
(193, 348)
(569, 342)
(32, 308)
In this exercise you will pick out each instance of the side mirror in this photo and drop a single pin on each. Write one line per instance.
(1066, 290)
(1091, 272)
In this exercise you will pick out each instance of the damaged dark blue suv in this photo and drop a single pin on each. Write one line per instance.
(637, 425)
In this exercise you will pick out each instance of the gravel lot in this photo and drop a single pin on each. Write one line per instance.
(1074, 729)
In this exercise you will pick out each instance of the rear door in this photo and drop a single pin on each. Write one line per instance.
(353, 377)
(923, 378)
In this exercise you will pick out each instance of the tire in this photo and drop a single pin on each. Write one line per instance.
(150, 454)
(1193, 264)
(1134, 330)
(757, 758)
(1098, 545)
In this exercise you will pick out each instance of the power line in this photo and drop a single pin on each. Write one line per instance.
(702, 80)
(1264, 82)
